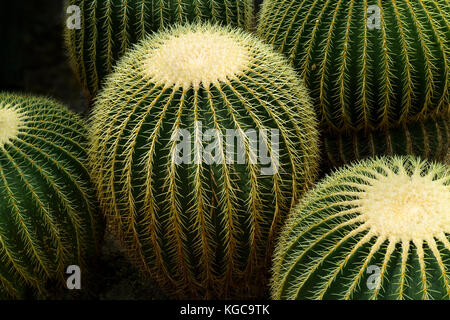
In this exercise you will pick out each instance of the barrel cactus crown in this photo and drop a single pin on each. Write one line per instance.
(428, 139)
(379, 228)
(109, 27)
(177, 167)
(369, 64)
(48, 220)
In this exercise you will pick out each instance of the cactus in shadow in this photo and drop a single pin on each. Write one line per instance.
(429, 139)
(48, 217)
(377, 229)
(110, 27)
(369, 64)
(201, 219)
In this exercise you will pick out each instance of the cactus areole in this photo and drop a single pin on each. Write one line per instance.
(378, 229)
(203, 227)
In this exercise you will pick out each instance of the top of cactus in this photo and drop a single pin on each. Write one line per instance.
(10, 122)
(191, 56)
(406, 206)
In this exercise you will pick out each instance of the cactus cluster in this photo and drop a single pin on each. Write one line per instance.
(48, 217)
(203, 139)
(368, 64)
(201, 228)
(428, 139)
(109, 27)
(378, 229)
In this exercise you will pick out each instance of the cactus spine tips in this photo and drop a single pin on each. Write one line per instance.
(188, 59)
(10, 122)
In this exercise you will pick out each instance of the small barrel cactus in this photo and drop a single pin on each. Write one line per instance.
(48, 217)
(429, 139)
(378, 229)
(192, 215)
(107, 28)
(369, 64)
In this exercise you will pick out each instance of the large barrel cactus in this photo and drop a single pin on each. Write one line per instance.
(180, 174)
(48, 217)
(109, 27)
(428, 139)
(369, 64)
(378, 229)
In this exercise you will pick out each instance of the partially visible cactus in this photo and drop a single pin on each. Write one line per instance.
(429, 139)
(369, 64)
(48, 215)
(378, 229)
(110, 27)
(204, 227)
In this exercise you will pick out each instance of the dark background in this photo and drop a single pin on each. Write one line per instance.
(33, 56)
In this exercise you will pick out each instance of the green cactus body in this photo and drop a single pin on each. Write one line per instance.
(377, 229)
(47, 211)
(109, 27)
(429, 139)
(369, 64)
(202, 229)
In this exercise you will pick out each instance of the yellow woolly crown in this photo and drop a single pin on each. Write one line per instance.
(10, 123)
(189, 58)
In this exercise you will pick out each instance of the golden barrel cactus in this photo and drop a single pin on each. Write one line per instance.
(48, 210)
(376, 229)
(201, 217)
(369, 64)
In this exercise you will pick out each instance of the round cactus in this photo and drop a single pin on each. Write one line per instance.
(48, 220)
(108, 28)
(378, 229)
(203, 227)
(369, 64)
(429, 139)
